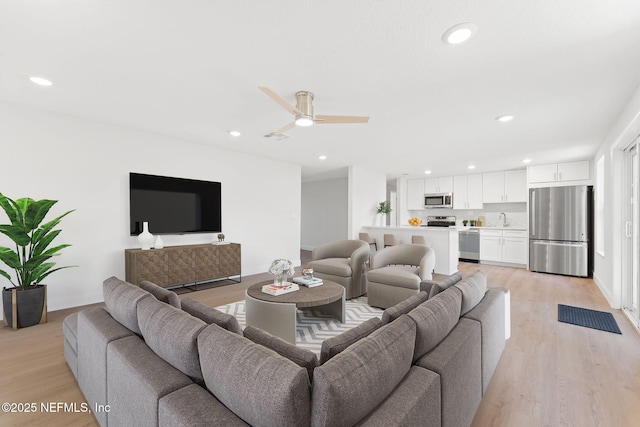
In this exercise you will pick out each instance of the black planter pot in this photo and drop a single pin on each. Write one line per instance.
(30, 303)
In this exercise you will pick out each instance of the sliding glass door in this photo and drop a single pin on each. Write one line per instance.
(631, 253)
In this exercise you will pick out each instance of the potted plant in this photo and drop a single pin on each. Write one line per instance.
(30, 260)
(383, 209)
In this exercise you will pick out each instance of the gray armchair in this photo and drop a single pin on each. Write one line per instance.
(342, 262)
(396, 273)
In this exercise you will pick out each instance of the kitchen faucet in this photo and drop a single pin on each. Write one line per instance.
(504, 221)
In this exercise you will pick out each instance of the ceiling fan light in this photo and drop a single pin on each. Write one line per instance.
(304, 121)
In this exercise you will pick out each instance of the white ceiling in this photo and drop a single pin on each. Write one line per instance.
(191, 70)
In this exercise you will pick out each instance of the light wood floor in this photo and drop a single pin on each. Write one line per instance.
(550, 374)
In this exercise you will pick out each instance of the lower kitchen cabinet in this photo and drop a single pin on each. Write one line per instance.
(504, 246)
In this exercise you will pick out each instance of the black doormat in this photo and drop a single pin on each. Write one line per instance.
(588, 318)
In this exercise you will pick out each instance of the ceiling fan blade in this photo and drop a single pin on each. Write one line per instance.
(327, 120)
(280, 100)
(284, 129)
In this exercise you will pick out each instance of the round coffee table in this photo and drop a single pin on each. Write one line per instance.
(277, 314)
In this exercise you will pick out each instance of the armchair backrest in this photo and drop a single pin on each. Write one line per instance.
(338, 249)
(418, 255)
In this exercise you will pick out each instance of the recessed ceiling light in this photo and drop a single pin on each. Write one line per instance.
(471, 167)
(526, 161)
(459, 33)
(322, 157)
(234, 133)
(505, 118)
(40, 81)
(427, 172)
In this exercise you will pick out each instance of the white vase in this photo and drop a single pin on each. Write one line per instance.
(159, 244)
(382, 220)
(145, 238)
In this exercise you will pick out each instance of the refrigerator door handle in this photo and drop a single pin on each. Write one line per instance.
(567, 244)
(533, 212)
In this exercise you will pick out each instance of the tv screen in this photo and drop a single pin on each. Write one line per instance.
(174, 205)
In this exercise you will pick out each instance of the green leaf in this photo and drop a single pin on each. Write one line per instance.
(16, 234)
(10, 208)
(44, 229)
(10, 258)
(7, 276)
(41, 243)
(35, 213)
(54, 251)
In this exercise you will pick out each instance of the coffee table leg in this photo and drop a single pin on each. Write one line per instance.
(278, 319)
(335, 309)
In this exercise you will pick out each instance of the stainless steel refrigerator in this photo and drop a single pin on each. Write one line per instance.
(560, 230)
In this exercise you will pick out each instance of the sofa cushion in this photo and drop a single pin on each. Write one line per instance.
(210, 315)
(137, 380)
(404, 276)
(434, 319)
(473, 289)
(358, 380)
(336, 266)
(300, 356)
(257, 384)
(161, 293)
(121, 299)
(414, 402)
(194, 406)
(172, 334)
(70, 330)
(434, 287)
(403, 307)
(334, 345)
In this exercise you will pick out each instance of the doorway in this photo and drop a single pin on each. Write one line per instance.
(631, 245)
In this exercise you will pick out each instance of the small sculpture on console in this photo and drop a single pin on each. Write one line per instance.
(220, 237)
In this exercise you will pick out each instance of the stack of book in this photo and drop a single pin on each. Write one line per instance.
(308, 282)
(277, 290)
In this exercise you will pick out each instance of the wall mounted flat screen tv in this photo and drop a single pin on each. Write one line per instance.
(174, 205)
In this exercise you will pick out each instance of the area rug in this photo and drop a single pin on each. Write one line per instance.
(314, 326)
(593, 319)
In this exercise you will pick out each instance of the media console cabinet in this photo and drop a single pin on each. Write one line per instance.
(183, 265)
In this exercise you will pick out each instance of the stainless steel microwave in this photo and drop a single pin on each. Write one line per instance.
(438, 200)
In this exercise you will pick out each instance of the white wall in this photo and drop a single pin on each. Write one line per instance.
(608, 267)
(324, 212)
(367, 188)
(85, 165)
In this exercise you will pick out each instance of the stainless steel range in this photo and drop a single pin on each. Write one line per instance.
(440, 221)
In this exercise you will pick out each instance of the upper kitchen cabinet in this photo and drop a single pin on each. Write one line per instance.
(415, 194)
(560, 172)
(443, 184)
(467, 191)
(504, 187)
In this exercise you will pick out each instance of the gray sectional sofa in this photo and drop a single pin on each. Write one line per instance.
(151, 359)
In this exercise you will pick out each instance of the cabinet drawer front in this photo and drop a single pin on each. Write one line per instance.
(494, 233)
(515, 233)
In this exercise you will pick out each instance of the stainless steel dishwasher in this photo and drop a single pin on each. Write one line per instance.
(469, 242)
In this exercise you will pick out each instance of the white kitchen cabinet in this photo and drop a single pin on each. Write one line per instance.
(444, 184)
(490, 245)
(504, 246)
(415, 194)
(560, 172)
(467, 191)
(504, 187)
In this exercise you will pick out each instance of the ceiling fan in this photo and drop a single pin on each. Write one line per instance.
(303, 112)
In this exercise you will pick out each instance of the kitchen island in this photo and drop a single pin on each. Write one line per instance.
(443, 240)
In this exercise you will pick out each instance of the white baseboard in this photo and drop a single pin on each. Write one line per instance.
(605, 292)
